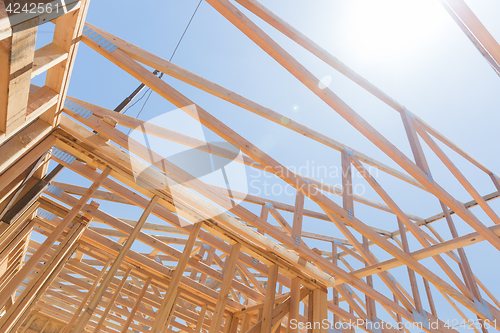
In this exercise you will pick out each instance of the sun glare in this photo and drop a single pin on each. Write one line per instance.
(390, 28)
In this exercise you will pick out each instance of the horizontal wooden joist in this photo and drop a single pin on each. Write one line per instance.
(160, 273)
(155, 130)
(118, 156)
(459, 242)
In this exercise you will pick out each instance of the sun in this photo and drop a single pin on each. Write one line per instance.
(391, 28)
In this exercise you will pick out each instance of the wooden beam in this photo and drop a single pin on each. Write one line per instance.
(475, 30)
(14, 99)
(415, 231)
(233, 327)
(28, 158)
(68, 29)
(224, 291)
(297, 218)
(22, 142)
(458, 175)
(111, 301)
(37, 286)
(201, 319)
(269, 302)
(170, 316)
(47, 57)
(21, 275)
(104, 195)
(136, 305)
(429, 298)
(16, 233)
(294, 305)
(320, 310)
(86, 298)
(28, 198)
(168, 301)
(94, 302)
(411, 273)
(468, 239)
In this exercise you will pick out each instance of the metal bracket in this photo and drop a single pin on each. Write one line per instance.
(255, 261)
(297, 240)
(409, 114)
(40, 230)
(72, 106)
(421, 318)
(63, 156)
(337, 242)
(482, 307)
(350, 213)
(349, 151)
(269, 205)
(100, 40)
(45, 214)
(206, 247)
(54, 190)
(429, 175)
(374, 326)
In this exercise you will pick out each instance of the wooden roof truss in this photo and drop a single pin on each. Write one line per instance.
(235, 271)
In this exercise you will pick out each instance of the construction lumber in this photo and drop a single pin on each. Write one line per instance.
(207, 258)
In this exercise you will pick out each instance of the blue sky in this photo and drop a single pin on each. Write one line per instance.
(412, 50)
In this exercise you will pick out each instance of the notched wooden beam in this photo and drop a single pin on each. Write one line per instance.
(47, 57)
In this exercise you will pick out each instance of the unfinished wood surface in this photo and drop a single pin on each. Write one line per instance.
(198, 260)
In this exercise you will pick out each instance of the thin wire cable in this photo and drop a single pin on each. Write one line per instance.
(185, 30)
(140, 98)
(170, 60)
(145, 102)
(147, 99)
